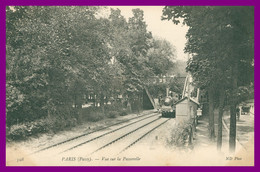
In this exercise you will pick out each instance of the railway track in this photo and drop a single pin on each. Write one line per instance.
(142, 136)
(118, 137)
(143, 117)
(101, 141)
(129, 139)
(72, 143)
(78, 145)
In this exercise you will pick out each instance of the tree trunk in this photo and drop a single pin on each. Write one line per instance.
(220, 114)
(102, 100)
(95, 100)
(141, 102)
(232, 133)
(211, 114)
(129, 103)
(48, 110)
(75, 100)
(205, 109)
(233, 121)
(49, 106)
(129, 107)
(106, 99)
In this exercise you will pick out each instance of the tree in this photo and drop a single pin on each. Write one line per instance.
(47, 55)
(161, 56)
(56, 56)
(130, 42)
(220, 39)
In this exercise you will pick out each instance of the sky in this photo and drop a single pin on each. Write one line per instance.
(175, 34)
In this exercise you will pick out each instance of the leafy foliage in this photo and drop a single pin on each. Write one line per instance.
(221, 42)
(180, 135)
(218, 38)
(161, 56)
(59, 56)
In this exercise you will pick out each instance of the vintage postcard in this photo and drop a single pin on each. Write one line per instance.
(129, 86)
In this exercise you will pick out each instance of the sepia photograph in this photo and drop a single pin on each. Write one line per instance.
(130, 86)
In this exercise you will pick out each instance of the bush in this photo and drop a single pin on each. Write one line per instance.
(91, 114)
(94, 117)
(180, 135)
(21, 131)
(61, 119)
(113, 107)
(17, 132)
(108, 108)
(36, 127)
(59, 123)
(112, 114)
(123, 112)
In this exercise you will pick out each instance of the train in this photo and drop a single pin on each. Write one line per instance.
(167, 107)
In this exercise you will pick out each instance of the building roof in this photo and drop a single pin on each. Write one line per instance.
(194, 101)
